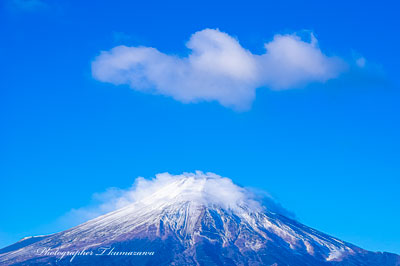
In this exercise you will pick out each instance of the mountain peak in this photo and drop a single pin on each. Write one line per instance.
(206, 189)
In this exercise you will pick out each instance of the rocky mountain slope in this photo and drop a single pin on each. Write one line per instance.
(198, 219)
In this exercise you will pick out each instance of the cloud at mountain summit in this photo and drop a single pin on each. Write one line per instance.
(214, 190)
(218, 68)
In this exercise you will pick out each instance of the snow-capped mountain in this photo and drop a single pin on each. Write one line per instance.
(191, 219)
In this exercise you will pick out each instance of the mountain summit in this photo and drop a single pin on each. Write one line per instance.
(191, 219)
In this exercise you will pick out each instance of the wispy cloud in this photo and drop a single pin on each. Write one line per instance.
(28, 5)
(208, 188)
(218, 68)
(361, 61)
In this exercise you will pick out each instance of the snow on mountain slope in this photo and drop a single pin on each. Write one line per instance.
(199, 219)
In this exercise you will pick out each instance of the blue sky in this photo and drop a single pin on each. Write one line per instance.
(328, 151)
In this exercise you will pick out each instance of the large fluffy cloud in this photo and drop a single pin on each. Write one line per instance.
(218, 68)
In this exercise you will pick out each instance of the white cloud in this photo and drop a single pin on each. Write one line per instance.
(206, 188)
(218, 68)
(290, 62)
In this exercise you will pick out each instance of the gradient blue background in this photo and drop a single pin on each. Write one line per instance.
(329, 152)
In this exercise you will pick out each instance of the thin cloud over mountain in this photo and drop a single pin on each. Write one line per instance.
(208, 188)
